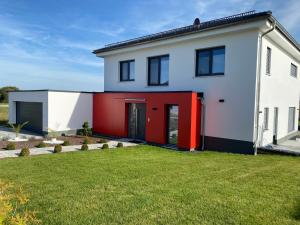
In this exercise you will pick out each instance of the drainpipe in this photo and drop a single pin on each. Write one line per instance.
(202, 131)
(259, 85)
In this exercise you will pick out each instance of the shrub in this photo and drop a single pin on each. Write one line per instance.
(66, 143)
(41, 145)
(25, 152)
(86, 141)
(86, 130)
(120, 145)
(11, 146)
(84, 147)
(102, 140)
(57, 149)
(13, 206)
(105, 146)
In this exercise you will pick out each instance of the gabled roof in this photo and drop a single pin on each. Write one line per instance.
(213, 24)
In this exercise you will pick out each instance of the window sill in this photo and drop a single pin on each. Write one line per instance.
(210, 75)
(157, 85)
(268, 74)
(126, 80)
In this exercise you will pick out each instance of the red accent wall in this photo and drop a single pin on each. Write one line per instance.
(110, 115)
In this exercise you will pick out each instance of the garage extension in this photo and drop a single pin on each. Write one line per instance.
(51, 110)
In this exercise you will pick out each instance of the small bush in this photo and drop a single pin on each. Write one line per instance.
(11, 146)
(102, 140)
(66, 143)
(84, 147)
(25, 152)
(86, 141)
(57, 149)
(120, 145)
(105, 146)
(41, 145)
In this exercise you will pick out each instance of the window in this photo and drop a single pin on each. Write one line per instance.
(158, 70)
(291, 122)
(266, 118)
(210, 61)
(127, 70)
(294, 70)
(268, 62)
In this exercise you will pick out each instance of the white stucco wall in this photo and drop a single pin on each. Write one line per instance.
(232, 119)
(62, 111)
(279, 89)
(68, 110)
(36, 96)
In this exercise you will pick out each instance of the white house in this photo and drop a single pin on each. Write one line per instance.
(245, 67)
(230, 84)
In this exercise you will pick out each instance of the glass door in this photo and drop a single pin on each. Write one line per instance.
(172, 128)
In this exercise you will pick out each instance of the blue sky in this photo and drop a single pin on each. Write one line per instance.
(48, 44)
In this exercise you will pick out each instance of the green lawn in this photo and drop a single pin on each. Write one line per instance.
(3, 113)
(151, 185)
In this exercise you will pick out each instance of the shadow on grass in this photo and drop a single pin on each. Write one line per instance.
(296, 214)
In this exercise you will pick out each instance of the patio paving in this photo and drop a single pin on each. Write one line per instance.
(290, 147)
(49, 150)
(8, 133)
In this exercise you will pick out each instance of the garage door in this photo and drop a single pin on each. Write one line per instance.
(32, 112)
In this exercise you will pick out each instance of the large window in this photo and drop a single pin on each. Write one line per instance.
(127, 70)
(268, 61)
(210, 61)
(294, 70)
(158, 70)
(266, 118)
(291, 122)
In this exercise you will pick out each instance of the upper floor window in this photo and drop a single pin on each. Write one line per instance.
(268, 61)
(294, 70)
(210, 61)
(127, 70)
(158, 70)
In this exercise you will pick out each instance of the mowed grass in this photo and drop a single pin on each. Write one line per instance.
(151, 185)
(3, 113)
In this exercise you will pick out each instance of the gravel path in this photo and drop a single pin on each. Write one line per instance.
(49, 150)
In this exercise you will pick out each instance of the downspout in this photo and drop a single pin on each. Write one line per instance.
(259, 85)
(202, 121)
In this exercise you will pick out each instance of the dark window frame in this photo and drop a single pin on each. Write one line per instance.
(159, 69)
(269, 61)
(210, 61)
(121, 70)
(266, 118)
(293, 65)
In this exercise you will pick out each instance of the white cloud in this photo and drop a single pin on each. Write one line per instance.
(290, 15)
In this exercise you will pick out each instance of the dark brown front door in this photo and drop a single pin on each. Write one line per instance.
(136, 120)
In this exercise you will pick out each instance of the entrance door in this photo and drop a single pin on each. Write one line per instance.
(172, 128)
(136, 120)
(275, 126)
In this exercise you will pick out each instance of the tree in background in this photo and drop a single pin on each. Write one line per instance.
(4, 93)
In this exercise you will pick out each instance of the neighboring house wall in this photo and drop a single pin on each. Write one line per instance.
(28, 97)
(232, 119)
(68, 110)
(278, 89)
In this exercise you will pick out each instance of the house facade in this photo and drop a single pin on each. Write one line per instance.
(242, 68)
(230, 84)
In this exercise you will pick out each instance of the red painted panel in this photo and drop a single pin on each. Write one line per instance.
(110, 115)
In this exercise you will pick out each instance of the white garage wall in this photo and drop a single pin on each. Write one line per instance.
(68, 110)
(28, 96)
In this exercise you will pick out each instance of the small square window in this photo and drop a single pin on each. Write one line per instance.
(127, 70)
(210, 62)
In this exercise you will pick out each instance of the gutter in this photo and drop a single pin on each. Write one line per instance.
(259, 86)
